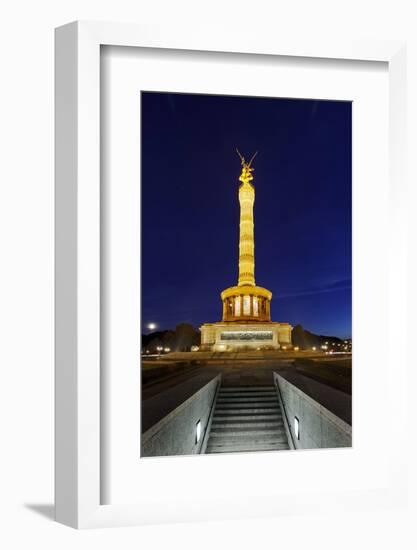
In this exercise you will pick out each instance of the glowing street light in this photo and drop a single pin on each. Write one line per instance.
(152, 326)
(197, 431)
(297, 427)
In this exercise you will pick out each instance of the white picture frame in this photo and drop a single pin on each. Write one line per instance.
(78, 405)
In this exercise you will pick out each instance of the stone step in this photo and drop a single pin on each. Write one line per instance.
(259, 436)
(250, 402)
(217, 449)
(248, 418)
(238, 437)
(256, 433)
(245, 395)
(269, 399)
(246, 410)
(246, 405)
(247, 389)
(245, 399)
(247, 444)
(242, 417)
(268, 419)
(247, 424)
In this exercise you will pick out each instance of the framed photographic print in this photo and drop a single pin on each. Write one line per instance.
(228, 220)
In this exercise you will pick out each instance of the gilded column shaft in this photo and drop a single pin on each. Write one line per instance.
(246, 238)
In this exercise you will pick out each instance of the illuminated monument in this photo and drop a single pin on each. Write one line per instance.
(246, 307)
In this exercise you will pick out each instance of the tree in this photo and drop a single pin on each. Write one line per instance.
(185, 337)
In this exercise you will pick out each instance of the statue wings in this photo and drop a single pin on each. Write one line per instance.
(242, 158)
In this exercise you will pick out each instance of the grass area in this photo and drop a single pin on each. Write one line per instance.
(335, 373)
(158, 371)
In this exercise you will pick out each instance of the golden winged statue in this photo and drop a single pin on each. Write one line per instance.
(246, 175)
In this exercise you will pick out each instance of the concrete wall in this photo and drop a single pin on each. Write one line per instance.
(175, 433)
(318, 427)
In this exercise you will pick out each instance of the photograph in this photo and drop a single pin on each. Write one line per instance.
(235, 359)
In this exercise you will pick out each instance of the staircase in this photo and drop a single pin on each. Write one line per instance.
(247, 419)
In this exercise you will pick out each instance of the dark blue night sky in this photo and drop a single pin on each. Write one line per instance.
(190, 209)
